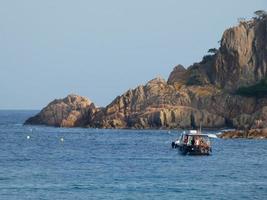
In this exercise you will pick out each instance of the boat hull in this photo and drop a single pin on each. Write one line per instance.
(194, 150)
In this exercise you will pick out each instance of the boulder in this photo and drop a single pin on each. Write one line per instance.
(71, 111)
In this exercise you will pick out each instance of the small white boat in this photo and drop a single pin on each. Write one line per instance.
(194, 143)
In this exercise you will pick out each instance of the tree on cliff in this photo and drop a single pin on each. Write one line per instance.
(260, 14)
(258, 90)
(210, 56)
(213, 50)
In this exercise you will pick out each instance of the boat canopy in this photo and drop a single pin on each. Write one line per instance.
(202, 135)
(193, 131)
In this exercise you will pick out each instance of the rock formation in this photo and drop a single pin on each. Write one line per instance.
(242, 56)
(203, 94)
(71, 111)
(247, 134)
(177, 75)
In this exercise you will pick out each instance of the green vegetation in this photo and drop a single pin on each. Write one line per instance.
(260, 14)
(206, 58)
(258, 90)
(213, 50)
(210, 56)
(195, 80)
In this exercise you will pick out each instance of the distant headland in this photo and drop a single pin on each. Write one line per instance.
(228, 88)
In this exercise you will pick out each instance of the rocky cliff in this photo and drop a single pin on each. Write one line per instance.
(241, 59)
(247, 134)
(71, 111)
(204, 93)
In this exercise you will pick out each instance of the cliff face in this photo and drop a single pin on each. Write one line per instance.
(202, 94)
(158, 104)
(242, 57)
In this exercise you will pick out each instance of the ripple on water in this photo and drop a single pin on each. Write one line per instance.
(122, 164)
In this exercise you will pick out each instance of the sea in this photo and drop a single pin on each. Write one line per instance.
(47, 163)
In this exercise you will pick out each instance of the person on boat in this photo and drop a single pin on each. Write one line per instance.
(193, 141)
(202, 142)
(197, 141)
(176, 143)
(186, 139)
(205, 145)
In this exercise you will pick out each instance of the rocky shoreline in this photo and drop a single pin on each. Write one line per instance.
(206, 93)
(247, 134)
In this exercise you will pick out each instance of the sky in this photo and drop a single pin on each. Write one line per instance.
(100, 49)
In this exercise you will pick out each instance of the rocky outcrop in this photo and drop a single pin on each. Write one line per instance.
(203, 94)
(178, 75)
(242, 57)
(247, 134)
(71, 111)
(160, 105)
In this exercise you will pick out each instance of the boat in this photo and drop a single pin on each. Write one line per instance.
(194, 143)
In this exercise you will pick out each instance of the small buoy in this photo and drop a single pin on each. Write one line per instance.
(62, 139)
(28, 137)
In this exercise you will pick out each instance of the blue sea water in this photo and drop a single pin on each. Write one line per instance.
(122, 164)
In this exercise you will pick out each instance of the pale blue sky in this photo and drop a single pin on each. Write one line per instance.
(99, 49)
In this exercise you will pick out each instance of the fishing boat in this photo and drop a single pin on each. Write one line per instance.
(194, 143)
